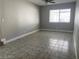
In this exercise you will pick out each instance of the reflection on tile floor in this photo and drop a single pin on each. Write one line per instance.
(59, 45)
(41, 45)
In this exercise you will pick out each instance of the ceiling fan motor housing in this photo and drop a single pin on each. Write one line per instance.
(49, 0)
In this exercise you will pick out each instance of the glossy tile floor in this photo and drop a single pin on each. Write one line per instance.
(40, 45)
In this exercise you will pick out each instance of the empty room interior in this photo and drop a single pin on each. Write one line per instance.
(39, 29)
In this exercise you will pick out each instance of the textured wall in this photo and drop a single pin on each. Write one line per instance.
(44, 15)
(76, 29)
(20, 17)
(0, 16)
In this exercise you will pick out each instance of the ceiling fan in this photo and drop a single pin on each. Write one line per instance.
(49, 1)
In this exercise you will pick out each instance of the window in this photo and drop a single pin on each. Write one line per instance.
(60, 15)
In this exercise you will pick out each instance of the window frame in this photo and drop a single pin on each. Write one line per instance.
(60, 16)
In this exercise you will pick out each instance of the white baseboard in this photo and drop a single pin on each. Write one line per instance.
(56, 30)
(18, 37)
(3, 40)
(21, 36)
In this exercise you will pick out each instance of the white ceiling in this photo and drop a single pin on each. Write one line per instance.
(41, 2)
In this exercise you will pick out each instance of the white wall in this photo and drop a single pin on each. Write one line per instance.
(0, 16)
(76, 30)
(20, 17)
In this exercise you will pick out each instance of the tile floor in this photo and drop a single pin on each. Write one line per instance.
(40, 45)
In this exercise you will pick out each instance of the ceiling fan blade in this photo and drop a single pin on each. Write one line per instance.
(49, 1)
(52, 2)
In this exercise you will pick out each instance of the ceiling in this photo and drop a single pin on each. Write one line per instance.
(41, 2)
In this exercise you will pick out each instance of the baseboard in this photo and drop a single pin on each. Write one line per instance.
(18, 37)
(56, 30)
(3, 40)
(75, 50)
(21, 36)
